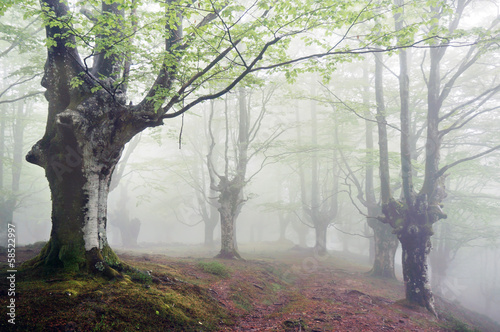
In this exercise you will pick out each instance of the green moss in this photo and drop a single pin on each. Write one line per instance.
(110, 257)
(215, 268)
(72, 256)
(140, 277)
(97, 304)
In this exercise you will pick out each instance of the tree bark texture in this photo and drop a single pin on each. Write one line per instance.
(416, 244)
(386, 244)
(211, 218)
(321, 229)
(231, 190)
(79, 155)
(87, 129)
(229, 200)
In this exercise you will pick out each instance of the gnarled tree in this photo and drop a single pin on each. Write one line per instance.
(244, 145)
(414, 216)
(90, 119)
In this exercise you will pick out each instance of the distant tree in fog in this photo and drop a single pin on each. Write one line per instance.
(242, 143)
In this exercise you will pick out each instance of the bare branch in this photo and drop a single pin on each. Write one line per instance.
(463, 121)
(19, 39)
(242, 75)
(354, 111)
(19, 82)
(447, 167)
(486, 95)
(31, 94)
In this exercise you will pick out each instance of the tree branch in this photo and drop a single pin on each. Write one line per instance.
(447, 167)
(31, 94)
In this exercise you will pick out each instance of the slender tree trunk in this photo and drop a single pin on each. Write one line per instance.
(299, 227)
(209, 235)
(284, 221)
(370, 201)
(386, 243)
(211, 222)
(315, 209)
(129, 227)
(415, 229)
(302, 232)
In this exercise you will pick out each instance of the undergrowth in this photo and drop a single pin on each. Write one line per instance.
(215, 268)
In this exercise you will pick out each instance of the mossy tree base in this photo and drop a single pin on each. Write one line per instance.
(53, 259)
(226, 254)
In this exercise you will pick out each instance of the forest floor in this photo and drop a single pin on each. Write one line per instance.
(182, 289)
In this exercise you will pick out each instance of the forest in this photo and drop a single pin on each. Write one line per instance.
(250, 165)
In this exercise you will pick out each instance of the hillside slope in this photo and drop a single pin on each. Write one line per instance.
(290, 290)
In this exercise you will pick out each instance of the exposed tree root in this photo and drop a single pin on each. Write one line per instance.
(229, 255)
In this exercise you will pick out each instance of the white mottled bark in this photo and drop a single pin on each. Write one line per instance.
(91, 222)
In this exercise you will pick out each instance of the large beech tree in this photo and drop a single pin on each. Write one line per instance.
(414, 215)
(89, 117)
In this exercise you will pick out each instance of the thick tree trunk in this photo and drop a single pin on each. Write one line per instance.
(385, 246)
(79, 154)
(228, 250)
(229, 207)
(416, 244)
(321, 229)
(87, 128)
(79, 186)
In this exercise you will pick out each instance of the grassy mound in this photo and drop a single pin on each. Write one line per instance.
(139, 302)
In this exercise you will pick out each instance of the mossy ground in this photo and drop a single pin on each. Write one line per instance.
(138, 302)
(287, 290)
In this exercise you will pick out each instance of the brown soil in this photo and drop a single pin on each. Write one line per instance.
(296, 291)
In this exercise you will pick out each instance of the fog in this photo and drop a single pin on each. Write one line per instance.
(307, 149)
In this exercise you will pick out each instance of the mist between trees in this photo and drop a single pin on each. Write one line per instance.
(339, 125)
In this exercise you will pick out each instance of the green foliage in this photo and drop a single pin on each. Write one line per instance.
(215, 268)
